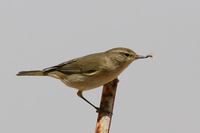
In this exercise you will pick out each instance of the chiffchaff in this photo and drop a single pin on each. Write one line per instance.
(91, 71)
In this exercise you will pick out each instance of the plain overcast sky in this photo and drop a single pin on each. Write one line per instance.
(158, 95)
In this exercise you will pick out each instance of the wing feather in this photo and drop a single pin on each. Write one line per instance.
(89, 65)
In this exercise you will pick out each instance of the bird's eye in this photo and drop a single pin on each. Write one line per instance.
(127, 55)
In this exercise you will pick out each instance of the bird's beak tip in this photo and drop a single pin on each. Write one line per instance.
(142, 57)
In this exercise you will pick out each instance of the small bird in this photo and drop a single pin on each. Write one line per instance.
(90, 71)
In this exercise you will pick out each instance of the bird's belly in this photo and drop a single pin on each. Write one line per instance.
(84, 83)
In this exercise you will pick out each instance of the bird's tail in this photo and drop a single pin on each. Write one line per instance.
(31, 73)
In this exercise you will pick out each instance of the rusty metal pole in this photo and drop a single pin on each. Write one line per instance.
(107, 104)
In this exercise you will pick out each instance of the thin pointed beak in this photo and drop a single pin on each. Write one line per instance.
(142, 57)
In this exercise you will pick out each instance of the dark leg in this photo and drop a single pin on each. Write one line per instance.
(79, 93)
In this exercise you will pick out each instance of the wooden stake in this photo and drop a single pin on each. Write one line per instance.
(107, 104)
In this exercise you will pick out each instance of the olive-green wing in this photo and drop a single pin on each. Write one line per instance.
(68, 67)
(88, 65)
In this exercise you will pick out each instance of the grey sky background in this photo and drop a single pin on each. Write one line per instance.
(159, 95)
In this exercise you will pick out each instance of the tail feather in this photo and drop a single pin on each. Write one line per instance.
(31, 73)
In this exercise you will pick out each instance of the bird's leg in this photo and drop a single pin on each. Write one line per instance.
(79, 93)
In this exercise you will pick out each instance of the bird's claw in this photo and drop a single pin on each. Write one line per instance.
(102, 110)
